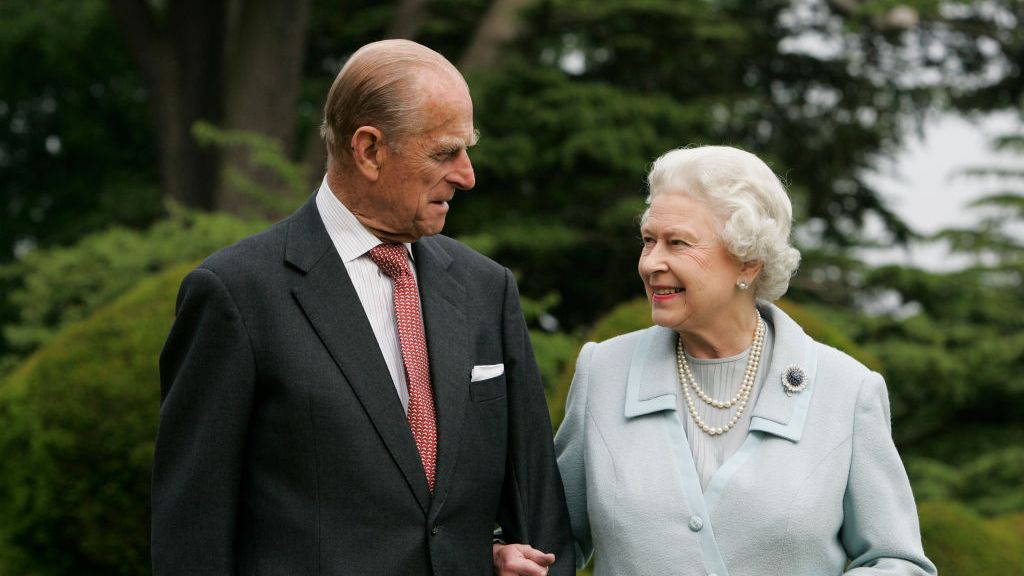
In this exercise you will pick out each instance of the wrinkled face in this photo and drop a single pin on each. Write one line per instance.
(689, 275)
(420, 176)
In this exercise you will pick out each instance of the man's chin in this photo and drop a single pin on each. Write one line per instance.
(430, 228)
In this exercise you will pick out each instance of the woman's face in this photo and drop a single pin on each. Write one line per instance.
(689, 275)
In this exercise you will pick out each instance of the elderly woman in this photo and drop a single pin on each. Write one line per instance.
(724, 440)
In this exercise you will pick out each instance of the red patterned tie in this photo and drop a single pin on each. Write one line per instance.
(393, 261)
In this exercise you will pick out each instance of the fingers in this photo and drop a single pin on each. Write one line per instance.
(521, 560)
(541, 558)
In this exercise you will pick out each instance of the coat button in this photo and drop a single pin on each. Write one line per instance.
(434, 530)
(696, 523)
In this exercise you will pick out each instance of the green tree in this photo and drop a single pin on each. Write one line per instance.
(951, 345)
(75, 147)
(588, 93)
(215, 62)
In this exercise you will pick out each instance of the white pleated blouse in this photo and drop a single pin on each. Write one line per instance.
(721, 379)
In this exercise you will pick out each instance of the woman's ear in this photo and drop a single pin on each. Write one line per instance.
(368, 151)
(749, 271)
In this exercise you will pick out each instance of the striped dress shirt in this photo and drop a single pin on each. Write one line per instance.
(376, 292)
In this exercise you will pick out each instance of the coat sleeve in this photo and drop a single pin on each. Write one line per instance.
(880, 528)
(532, 509)
(206, 378)
(571, 463)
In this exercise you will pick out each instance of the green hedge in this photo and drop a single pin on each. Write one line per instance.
(49, 289)
(77, 424)
(962, 543)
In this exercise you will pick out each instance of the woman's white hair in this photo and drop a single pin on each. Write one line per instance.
(747, 197)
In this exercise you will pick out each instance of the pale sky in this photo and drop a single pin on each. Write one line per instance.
(922, 185)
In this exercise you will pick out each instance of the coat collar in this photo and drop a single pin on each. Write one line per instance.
(653, 382)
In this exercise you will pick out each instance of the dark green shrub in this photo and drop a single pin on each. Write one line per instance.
(77, 424)
(624, 318)
(1012, 524)
(962, 543)
(990, 482)
(52, 288)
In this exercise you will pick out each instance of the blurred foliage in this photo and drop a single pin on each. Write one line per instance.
(593, 91)
(76, 149)
(962, 543)
(989, 483)
(48, 289)
(263, 154)
(79, 420)
(552, 348)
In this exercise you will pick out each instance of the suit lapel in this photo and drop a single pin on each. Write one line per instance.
(331, 304)
(448, 346)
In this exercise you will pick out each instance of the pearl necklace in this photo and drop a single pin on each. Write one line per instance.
(740, 399)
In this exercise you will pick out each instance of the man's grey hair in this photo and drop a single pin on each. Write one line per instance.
(382, 85)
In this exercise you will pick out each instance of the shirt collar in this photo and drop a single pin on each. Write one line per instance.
(349, 236)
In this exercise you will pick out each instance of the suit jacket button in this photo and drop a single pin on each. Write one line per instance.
(434, 531)
(696, 523)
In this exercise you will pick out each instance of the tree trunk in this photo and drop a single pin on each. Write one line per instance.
(501, 24)
(180, 56)
(266, 47)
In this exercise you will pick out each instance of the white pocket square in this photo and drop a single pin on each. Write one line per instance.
(486, 372)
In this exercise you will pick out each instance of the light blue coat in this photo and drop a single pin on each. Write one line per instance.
(816, 488)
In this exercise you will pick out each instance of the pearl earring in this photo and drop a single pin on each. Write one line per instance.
(742, 285)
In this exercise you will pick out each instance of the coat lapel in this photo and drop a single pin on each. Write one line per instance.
(775, 412)
(448, 346)
(652, 383)
(330, 302)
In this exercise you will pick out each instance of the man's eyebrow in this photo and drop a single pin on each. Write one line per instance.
(454, 142)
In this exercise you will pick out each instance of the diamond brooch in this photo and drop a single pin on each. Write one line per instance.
(794, 379)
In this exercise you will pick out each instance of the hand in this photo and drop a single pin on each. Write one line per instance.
(520, 560)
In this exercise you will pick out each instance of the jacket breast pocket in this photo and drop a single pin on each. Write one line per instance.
(487, 390)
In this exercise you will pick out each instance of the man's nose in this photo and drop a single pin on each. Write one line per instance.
(463, 176)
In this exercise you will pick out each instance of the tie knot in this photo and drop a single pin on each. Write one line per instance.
(391, 259)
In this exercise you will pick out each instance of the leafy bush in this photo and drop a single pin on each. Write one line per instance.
(990, 482)
(624, 318)
(52, 288)
(962, 543)
(77, 424)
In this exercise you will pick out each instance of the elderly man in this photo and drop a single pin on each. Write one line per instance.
(346, 393)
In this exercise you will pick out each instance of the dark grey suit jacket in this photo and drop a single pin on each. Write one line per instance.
(283, 448)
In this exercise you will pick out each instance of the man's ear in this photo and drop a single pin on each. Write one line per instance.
(368, 151)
